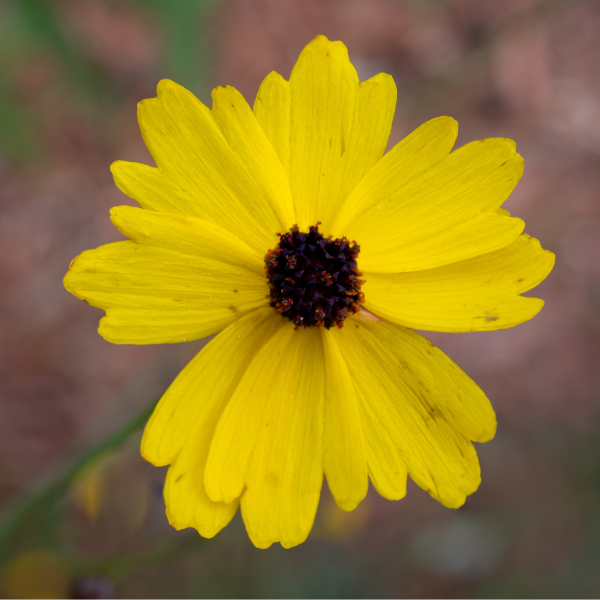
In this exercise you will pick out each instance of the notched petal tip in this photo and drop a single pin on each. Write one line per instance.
(108, 333)
(205, 532)
(287, 544)
(272, 78)
(550, 256)
(515, 157)
(535, 306)
(319, 39)
(381, 79)
(115, 165)
(348, 505)
(264, 543)
(71, 264)
(166, 86)
(261, 544)
(179, 524)
(450, 122)
(116, 213)
(324, 45)
(511, 144)
(545, 264)
(454, 503)
(502, 148)
(389, 493)
(487, 431)
(69, 280)
(122, 216)
(146, 456)
(118, 169)
(218, 92)
(457, 497)
(150, 447)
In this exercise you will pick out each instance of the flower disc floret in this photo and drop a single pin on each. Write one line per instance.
(314, 280)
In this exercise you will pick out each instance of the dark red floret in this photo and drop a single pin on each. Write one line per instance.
(314, 280)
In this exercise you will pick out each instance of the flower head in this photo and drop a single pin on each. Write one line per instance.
(316, 371)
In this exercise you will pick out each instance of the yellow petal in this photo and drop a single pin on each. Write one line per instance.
(246, 136)
(344, 459)
(272, 111)
(439, 381)
(338, 131)
(182, 425)
(151, 188)
(178, 279)
(205, 385)
(268, 443)
(374, 113)
(186, 235)
(410, 157)
(206, 167)
(446, 214)
(186, 501)
(439, 457)
(479, 294)
(387, 470)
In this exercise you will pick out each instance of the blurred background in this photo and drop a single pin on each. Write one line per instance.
(83, 515)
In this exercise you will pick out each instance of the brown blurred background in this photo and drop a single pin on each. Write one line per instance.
(71, 73)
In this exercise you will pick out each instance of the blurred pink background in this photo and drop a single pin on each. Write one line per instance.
(71, 74)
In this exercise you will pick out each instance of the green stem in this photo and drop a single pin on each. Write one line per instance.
(25, 510)
(119, 567)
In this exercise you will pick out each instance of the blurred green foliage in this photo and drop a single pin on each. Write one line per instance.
(30, 28)
(187, 50)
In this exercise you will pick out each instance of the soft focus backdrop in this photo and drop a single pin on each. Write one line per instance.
(71, 73)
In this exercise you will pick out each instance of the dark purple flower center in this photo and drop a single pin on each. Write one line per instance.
(314, 280)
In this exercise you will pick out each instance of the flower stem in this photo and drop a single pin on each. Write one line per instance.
(25, 510)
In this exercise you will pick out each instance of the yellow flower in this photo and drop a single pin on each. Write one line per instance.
(298, 386)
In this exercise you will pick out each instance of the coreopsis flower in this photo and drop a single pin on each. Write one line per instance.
(288, 229)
